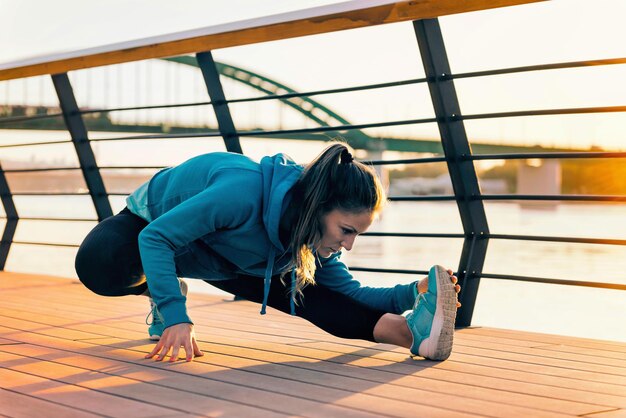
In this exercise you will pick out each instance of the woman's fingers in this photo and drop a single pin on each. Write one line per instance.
(173, 338)
(452, 276)
(174, 355)
(164, 351)
(164, 346)
(196, 350)
(156, 349)
(457, 288)
(191, 347)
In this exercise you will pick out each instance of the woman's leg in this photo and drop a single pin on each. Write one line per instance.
(108, 261)
(329, 310)
(393, 329)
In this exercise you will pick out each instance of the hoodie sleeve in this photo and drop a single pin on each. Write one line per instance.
(334, 274)
(223, 205)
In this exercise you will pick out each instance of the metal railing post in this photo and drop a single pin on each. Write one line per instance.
(78, 131)
(216, 93)
(12, 218)
(462, 171)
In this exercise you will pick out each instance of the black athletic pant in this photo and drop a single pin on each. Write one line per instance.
(108, 263)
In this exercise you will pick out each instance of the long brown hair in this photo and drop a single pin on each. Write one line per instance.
(333, 180)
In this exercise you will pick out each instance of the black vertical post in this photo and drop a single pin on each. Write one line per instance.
(216, 93)
(12, 218)
(462, 171)
(78, 132)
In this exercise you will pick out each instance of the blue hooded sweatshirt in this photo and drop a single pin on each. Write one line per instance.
(216, 216)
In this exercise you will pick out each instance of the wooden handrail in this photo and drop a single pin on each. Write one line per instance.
(323, 19)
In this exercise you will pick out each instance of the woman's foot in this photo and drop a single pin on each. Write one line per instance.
(431, 321)
(422, 285)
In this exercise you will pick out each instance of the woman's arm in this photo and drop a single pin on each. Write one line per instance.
(334, 274)
(225, 204)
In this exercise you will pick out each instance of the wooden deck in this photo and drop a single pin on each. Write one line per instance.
(65, 352)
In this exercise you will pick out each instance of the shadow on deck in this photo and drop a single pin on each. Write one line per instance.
(66, 352)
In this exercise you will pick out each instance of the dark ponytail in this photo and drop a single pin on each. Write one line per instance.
(334, 180)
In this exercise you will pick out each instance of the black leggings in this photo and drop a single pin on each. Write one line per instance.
(108, 263)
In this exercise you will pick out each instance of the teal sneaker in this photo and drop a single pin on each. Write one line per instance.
(431, 321)
(156, 326)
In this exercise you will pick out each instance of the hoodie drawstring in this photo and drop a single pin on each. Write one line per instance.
(268, 278)
(269, 269)
(292, 302)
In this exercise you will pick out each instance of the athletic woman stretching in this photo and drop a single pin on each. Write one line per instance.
(272, 233)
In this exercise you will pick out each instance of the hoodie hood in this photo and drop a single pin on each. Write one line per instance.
(280, 173)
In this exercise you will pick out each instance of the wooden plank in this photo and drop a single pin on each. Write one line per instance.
(558, 371)
(618, 413)
(557, 366)
(8, 284)
(509, 337)
(295, 403)
(323, 19)
(46, 328)
(18, 405)
(135, 382)
(301, 381)
(504, 360)
(95, 311)
(546, 358)
(259, 352)
(76, 396)
(599, 353)
(543, 339)
(129, 335)
(284, 322)
(592, 358)
(310, 350)
(505, 349)
(368, 367)
(563, 348)
(458, 361)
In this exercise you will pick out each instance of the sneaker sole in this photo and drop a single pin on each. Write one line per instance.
(438, 345)
(183, 287)
(155, 337)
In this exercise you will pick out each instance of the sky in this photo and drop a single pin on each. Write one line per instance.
(555, 31)
(36, 27)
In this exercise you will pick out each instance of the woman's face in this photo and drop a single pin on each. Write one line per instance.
(340, 228)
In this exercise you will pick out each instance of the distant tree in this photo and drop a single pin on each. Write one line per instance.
(606, 176)
(506, 172)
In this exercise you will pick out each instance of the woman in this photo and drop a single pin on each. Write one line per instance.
(270, 232)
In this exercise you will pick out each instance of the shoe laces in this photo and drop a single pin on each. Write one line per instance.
(154, 313)
(421, 298)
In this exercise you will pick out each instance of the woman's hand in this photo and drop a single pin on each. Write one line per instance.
(422, 285)
(175, 337)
